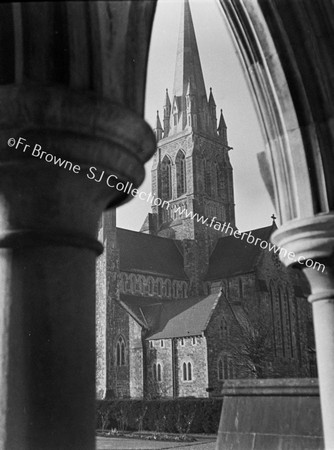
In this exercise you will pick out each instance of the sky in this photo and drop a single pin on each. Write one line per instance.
(223, 72)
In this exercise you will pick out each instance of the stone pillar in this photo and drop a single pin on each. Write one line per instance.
(312, 242)
(286, 49)
(72, 88)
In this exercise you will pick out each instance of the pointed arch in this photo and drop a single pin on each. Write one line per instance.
(120, 351)
(166, 178)
(289, 321)
(181, 181)
(281, 313)
(207, 178)
(272, 305)
(225, 368)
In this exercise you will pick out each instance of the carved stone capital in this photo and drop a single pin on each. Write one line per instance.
(311, 238)
(79, 126)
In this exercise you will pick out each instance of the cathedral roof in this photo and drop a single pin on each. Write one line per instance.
(171, 318)
(152, 255)
(233, 256)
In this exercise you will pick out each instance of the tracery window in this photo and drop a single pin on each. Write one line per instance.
(180, 163)
(120, 352)
(166, 174)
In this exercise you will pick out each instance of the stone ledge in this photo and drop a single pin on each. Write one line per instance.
(271, 387)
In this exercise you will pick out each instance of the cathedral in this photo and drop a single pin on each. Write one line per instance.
(183, 305)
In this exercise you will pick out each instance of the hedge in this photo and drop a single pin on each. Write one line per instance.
(182, 415)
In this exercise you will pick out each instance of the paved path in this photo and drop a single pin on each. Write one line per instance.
(103, 443)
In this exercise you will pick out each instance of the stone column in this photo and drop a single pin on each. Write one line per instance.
(312, 241)
(49, 216)
(286, 49)
(72, 88)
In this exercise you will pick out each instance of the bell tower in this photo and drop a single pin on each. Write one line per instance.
(191, 169)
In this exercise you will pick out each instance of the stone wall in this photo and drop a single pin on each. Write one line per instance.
(171, 354)
(271, 415)
(192, 350)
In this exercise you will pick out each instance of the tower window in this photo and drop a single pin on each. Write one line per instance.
(120, 352)
(166, 173)
(180, 163)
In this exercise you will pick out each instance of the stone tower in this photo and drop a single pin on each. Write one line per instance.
(191, 169)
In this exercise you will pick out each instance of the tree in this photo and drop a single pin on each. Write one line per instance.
(252, 350)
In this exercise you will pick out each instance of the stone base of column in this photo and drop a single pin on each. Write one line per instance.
(271, 415)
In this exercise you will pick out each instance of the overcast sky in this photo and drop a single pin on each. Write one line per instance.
(222, 71)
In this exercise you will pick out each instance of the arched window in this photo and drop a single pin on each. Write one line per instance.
(150, 284)
(187, 371)
(166, 178)
(180, 163)
(289, 319)
(281, 313)
(190, 375)
(120, 352)
(273, 322)
(207, 178)
(225, 368)
(157, 372)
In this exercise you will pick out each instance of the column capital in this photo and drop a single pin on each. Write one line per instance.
(312, 238)
(116, 139)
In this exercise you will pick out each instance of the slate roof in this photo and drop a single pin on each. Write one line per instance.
(144, 253)
(171, 318)
(231, 256)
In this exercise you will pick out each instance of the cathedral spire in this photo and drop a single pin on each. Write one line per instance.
(188, 72)
(188, 65)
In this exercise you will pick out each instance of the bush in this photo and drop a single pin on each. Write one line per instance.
(182, 415)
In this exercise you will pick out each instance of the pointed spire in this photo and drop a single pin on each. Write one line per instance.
(188, 65)
(211, 99)
(222, 129)
(189, 75)
(167, 109)
(158, 128)
(167, 104)
(222, 123)
(212, 109)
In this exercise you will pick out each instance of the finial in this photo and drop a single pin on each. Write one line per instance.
(157, 112)
(274, 218)
(210, 89)
(221, 111)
